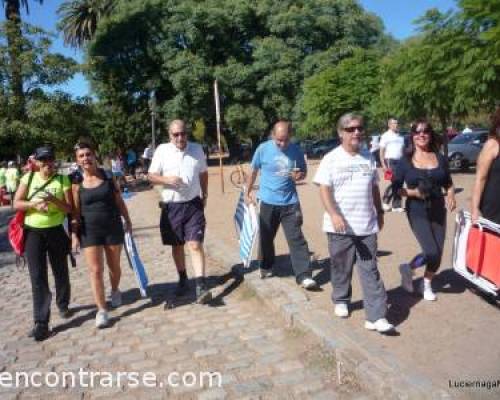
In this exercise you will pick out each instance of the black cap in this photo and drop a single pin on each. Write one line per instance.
(44, 152)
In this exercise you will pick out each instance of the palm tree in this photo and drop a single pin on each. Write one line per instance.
(14, 44)
(79, 19)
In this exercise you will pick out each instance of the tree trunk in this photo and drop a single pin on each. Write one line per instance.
(17, 109)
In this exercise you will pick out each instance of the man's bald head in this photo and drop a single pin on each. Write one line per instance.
(281, 134)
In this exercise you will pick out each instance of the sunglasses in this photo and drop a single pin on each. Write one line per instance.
(179, 134)
(425, 131)
(352, 129)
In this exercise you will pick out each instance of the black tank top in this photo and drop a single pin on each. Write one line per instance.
(490, 200)
(98, 205)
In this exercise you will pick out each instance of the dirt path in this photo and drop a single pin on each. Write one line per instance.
(451, 340)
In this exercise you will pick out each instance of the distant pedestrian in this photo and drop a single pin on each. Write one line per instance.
(391, 150)
(281, 165)
(45, 196)
(147, 156)
(180, 166)
(12, 176)
(3, 188)
(131, 162)
(118, 169)
(348, 182)
(429, 191)
(98, 229)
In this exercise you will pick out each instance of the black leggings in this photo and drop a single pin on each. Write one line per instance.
(429, 227)
(54, 242)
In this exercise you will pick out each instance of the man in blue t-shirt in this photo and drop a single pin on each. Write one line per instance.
(281, 165)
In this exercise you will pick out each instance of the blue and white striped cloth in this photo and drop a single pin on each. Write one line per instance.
(246, 220)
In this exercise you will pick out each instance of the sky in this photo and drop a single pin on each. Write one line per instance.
(397, 15)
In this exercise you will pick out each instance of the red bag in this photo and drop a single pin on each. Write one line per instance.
(16, 233)
(16, 224)
(482, 254)
(388, 175)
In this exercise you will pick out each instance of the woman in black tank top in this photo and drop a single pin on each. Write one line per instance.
(98, 211)
(486, 193)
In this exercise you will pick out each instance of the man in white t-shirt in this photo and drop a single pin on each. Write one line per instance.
(348, 183)
(180, 166)
(391, 150)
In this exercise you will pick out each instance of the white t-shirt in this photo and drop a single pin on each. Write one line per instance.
(187, 164)
(351, 179)
(393, 144)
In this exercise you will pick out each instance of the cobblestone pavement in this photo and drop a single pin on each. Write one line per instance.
(256, 355)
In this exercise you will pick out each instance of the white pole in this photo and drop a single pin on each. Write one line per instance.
(217, 117)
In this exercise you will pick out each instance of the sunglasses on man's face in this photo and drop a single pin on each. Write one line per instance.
(352, 129)
(179, 134)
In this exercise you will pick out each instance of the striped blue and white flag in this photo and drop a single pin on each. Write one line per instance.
(246, 219)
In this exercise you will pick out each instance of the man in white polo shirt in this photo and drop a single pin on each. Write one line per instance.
(391, 150)
(349, 191)
(180, 166)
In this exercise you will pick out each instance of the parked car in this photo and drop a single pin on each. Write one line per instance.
(463, 149)
(321, 147)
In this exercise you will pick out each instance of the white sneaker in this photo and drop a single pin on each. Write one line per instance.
(406, 277)
(399, 209)
(341, 310)
(116, 298)
(380, 325)
(309, 284)
(101, 319)
(427, 292)
(386, 207)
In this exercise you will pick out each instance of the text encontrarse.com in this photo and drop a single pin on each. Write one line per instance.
(95, 379)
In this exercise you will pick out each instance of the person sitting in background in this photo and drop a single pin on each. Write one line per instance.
(486, 192)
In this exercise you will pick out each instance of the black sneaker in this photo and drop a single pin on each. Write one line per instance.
(203, 295)
(40, 331)
(182, 288)
(65, 313)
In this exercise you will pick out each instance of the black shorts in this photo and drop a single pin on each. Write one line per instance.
(110, 235)
(182, 222)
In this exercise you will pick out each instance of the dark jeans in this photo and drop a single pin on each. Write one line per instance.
(54, 242)
(290, 217)
(389, 194)
(429, 227)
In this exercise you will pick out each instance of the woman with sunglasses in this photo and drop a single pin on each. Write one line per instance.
(429, 191)
(45, 196)
(97, 227)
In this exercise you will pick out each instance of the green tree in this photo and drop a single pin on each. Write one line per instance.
(260, 51)
(445, 73)
(13, 30)
(352, 85)
(79, 19)
(40, 69)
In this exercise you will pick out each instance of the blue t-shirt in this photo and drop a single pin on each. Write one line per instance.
(276, 185)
